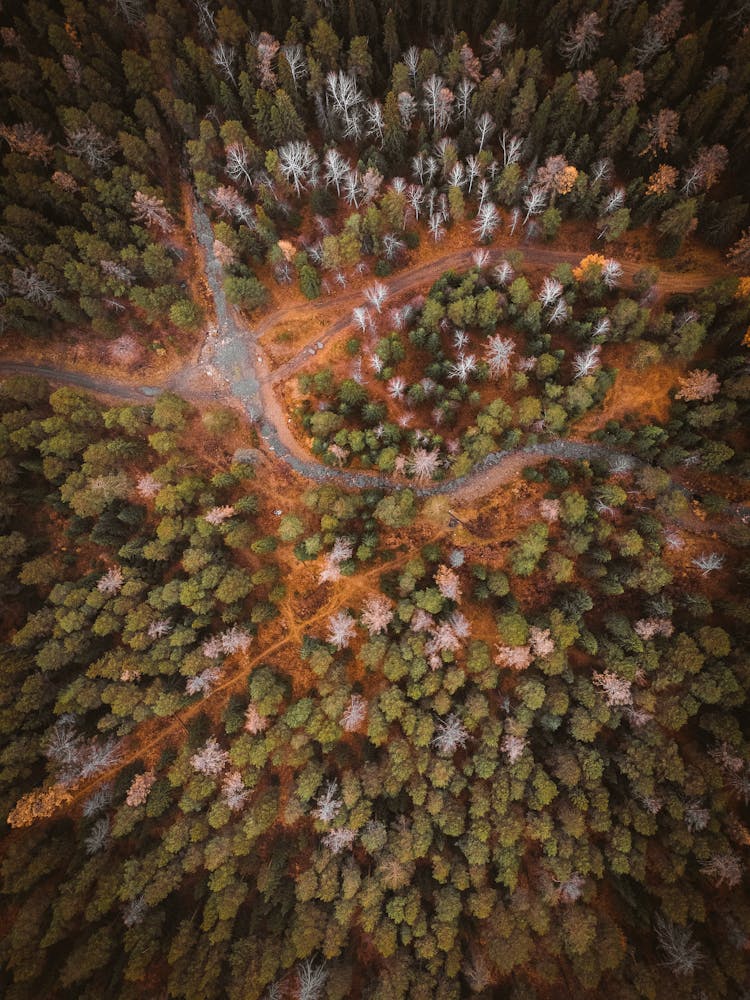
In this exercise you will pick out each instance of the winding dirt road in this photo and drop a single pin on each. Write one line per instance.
(249, 379)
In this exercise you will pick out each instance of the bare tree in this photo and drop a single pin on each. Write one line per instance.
(586, 362)
(340, 629)
(534, 202)
(376, 295)
(392, 246)
(472, 171)
(223, 56)
(328, 803)
(30, 285)
(345, 100)
(355, 714)
(480, 259)
(504, 273)
(484, 127)
(448, 583)
(353, 188)
(463, 368)
(210, 759)
(336, 168)
(254, 722)
(152, 211)
(203, 682)
(375, 123)
(464, 90)
(112, 581)
(396, 387)
(582, 40)
(496, 39)
(98, 837)
(450, 735)
(683, 955)
(361, 317)
(295, 57)
(511, 146)
(311, 980)
(423, 463)
(487, 221)
(414, 195)
(407, 108)
(550, 291)
(238, 163)
(513, 746)
(724, 869)
(338, 840)
(437, 102)
(411, 61)
(233, 790)
(298, 163)
(435, 225)
(377, 614)
(708, 562)
(612, 274)
(617, 690)
(88, 143)
(498, 352)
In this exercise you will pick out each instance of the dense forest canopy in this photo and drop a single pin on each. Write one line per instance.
(391, 642)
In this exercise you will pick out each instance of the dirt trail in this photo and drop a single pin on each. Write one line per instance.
(241, 365)
(136, 749)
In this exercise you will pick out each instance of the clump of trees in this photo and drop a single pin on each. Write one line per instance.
(467, 389)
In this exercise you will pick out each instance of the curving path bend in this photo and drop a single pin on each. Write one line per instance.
(241, 363)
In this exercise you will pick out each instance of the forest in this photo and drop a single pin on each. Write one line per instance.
(374, 501)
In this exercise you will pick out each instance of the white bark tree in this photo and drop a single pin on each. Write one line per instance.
(580, 43)
(586, 362)
(484, 127)
(376, 295)
(511, 146)
(708, 562)
(336, 169)
(238, 163)
(295, 58)
(464, 90)
(340, 629)
(534, 202)
(223, 56)
(345, 100)
(496, 39)
(450, 735)
(497, 353)
(298, 162)
(487, 221)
